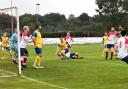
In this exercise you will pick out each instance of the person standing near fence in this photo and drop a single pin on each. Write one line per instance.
(68, 38)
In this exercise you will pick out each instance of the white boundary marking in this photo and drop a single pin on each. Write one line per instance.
(8, 76)
(43, 82)
(113, 63)
(108, 62)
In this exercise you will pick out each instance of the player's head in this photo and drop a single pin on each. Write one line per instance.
(61, 39)
(38, 27)
(121, 28)
(68, 33)
(5, 34)
(26, 28)
(112, 29)
(105, 33)
(16, 31)
(123, 33)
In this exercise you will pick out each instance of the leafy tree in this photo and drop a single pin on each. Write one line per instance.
(84, 18)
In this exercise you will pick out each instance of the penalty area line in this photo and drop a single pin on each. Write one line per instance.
(34, 80)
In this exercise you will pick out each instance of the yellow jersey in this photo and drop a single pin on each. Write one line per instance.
(38, 39)
(5, 41)
(62, 45)
(105, 40)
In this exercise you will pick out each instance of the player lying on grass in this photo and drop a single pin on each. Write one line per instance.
(14, 45)
(6, 45)
(38, 43)
(61, 46)
(122, 45)
(23, 44)
(66, 54)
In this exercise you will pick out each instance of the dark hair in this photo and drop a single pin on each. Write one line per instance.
(123, 32)
(37, 26)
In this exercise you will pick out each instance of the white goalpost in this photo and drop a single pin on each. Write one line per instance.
(7, 70)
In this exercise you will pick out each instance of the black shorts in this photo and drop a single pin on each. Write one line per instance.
(66, 50)
(73, 56)
(23, 52)
(109, 46)
(125, 59)
(7, 48)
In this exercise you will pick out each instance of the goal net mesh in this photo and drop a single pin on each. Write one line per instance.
(8, 21)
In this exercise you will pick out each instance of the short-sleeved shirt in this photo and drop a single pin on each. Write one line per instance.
(68, 39)
(38, 39)
(14, 39)
(105, 40)
(122, 47)
(111, 37)
(62, 45)
(24, 40)
(5, 41)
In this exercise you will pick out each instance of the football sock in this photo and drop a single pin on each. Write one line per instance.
(112, 55)
(106, 55)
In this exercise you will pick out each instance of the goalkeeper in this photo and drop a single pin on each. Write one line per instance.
(14, 45)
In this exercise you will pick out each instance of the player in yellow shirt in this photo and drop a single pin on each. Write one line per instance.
(38, 43)
(5, 44)
(61, 46)
(105, 41)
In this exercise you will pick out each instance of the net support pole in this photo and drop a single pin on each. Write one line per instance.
(18, 32)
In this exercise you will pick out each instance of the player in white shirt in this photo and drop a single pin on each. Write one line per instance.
(122, 45)
(23, 44)
(111, 42)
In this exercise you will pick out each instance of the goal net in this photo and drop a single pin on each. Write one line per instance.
(9, 20)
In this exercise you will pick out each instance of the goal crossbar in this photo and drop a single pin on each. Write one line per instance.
(7, 9)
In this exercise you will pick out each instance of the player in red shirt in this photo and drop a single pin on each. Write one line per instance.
(112, 36)
(68, 38)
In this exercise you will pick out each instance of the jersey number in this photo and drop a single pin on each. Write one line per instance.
(120, 44)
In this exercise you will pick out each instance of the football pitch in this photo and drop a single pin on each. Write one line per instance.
(92, 72)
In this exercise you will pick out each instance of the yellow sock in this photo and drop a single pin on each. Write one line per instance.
(39, 62)
(36, 60)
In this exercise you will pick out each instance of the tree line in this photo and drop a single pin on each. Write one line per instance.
(109, 13)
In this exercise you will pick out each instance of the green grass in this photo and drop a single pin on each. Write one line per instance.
(92, 72)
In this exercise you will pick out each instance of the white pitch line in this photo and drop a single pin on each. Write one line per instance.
(7, 76)
(113, 63)
(43, 82)
(109, 62)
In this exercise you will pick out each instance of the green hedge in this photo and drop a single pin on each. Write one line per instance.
(74, 34)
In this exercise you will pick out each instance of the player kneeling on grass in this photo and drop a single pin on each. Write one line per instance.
(122, 45)
(5, 44)
(38, 42)
(61, 46)
(23, 44)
